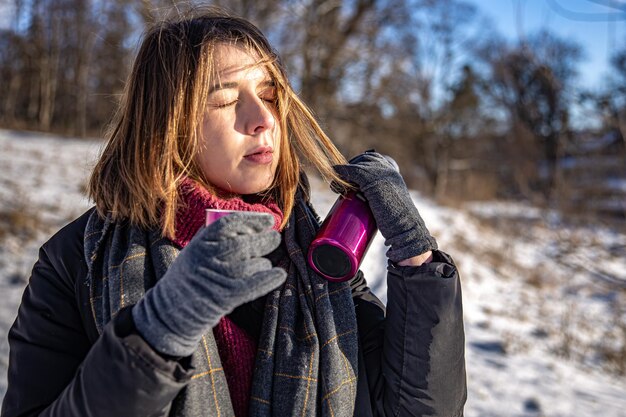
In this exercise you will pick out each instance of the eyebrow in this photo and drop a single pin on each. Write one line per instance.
(225, 86)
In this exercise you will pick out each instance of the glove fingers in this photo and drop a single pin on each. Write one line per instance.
(371, 158)
(343, 171)
(365, 168)
(229, 293)
(351, 173)
(248, 246)
(242, 269)
(263, 282)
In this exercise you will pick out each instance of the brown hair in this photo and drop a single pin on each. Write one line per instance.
(152, 140)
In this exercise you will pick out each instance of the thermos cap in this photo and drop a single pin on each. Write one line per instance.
(331, 260)
(346, 233)
(214, 214)
(343, 239)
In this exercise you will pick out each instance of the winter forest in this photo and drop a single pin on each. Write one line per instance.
(477, 116)
(518, 165)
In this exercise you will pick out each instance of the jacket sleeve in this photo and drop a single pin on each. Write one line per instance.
(414, 357)
(55, 371)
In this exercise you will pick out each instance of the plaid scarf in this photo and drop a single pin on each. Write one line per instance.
(306, 361)
(237, 348)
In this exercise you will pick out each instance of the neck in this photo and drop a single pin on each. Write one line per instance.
(194, 199)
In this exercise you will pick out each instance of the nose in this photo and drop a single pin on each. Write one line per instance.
(259, 117)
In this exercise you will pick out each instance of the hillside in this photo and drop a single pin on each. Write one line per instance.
(544, 302)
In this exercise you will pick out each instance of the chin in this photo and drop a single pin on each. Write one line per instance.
(248, 189)
(258, 187)
(255, 185)
(256, 190)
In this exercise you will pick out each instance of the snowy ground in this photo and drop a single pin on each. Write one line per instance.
(545, 303)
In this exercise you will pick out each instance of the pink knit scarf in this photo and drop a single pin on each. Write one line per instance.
(236, 347)
(194, 199)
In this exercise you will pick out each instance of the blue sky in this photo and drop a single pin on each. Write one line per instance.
(599, 36)
(585, 21)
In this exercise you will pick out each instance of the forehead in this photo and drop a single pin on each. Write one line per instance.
(233, 61)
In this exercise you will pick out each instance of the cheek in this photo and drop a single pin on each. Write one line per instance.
(214, 146)
(216, 161)
(212, 160)
(280, 144)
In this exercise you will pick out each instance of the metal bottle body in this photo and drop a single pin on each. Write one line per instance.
(343, 239)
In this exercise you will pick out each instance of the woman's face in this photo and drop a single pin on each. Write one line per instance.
(240, 135)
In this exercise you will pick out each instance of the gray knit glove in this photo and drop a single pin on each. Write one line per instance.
(220, 269)
(396, 216)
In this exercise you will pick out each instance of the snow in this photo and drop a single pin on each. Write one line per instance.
(544, 301)
(617, 184)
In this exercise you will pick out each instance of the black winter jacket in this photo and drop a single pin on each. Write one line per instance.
(411, 358)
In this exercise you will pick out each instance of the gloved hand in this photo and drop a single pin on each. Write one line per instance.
(220, 269)
(396, 216)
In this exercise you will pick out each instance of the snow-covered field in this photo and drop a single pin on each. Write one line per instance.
(545, 303)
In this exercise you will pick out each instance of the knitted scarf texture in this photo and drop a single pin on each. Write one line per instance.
(237, 349)
(306, 355)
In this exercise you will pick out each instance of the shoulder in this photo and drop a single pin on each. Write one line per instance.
(49, 299)
(64, 250)
(68, 241)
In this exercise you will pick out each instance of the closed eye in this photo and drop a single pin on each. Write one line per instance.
(223, 105)
(223, 97)
(269, 94)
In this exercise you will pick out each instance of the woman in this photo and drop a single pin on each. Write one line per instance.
(135, 309)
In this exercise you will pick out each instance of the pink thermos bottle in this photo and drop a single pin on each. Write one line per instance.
(344, 237)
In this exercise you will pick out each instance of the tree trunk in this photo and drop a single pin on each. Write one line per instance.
(551, 156)
(10, 99)
(49, 79)
(442, 166)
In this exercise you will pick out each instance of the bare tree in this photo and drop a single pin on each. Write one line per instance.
(426, 61)
(533, 81)
(613, 101)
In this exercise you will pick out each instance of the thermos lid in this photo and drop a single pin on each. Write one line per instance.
(331, 261)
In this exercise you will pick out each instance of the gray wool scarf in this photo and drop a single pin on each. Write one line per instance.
(306, 361)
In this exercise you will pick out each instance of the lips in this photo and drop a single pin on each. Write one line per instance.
(260, 155)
